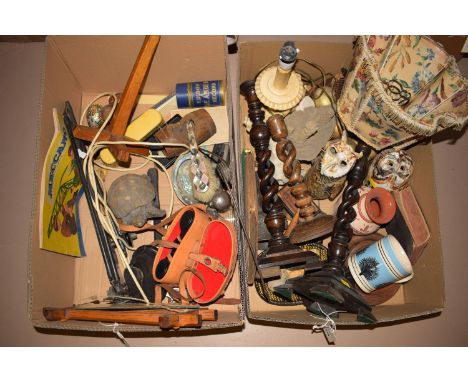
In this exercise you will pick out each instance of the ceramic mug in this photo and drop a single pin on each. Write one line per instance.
(382, 263)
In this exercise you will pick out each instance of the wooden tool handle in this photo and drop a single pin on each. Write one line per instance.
(176, 321)
(164, 318)
(125, 317)
(88, 133)
(128, 100)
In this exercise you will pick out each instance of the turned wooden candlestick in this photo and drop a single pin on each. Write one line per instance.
(280, 250)
(342, 232)
(269, 186)
(328, 289)
(313, 223)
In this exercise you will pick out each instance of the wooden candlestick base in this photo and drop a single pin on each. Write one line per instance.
(320, 226)
(287, 254)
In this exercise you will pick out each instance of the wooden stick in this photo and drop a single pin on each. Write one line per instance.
(176, 321)
(293, 224)
(120, 152)
(129, 97)
(88, 133)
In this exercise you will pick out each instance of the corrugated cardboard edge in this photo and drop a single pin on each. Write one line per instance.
(109, 328)
(362, 325)
(232, 74)
(233, 59)
(439, 236)
(37, 173)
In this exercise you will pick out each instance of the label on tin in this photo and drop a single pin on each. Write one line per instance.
(200, 94)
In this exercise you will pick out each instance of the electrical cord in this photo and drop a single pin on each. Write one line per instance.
(101, 206)
(324, 91)
(103, 211)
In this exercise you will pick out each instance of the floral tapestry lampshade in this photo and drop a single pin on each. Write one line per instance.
(401, 89)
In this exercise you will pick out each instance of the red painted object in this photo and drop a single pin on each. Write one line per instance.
(205, 258)
(375, 208)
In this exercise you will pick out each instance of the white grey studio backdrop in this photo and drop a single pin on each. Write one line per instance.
(20, 78)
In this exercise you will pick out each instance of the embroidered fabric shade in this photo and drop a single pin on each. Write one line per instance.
(401, 89)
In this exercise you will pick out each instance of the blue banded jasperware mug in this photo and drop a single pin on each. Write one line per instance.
(383, 262)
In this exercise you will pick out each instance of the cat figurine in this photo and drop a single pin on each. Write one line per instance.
(327, 175)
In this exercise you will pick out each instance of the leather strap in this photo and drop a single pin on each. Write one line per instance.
(200, 206)
(158, 294)
(165, 244)
(210, 262)
(183, 284)
(170, 289)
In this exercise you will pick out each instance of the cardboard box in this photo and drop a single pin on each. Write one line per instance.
(77, 68)
(424, 294)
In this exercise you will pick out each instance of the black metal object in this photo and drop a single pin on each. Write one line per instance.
(107, 250)
(142, 267)
(330, 289)
(185, 222)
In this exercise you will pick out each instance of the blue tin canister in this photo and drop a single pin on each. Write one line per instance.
(200, 94)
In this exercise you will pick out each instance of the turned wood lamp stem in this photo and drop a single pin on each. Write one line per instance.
(272, 205)
(313, 223)
(286, 152)
(342, 231)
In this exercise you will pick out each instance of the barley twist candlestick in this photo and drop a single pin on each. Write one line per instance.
(280, 250)
(342, 231)
(260, 138)
(329, 290)
(313, 222)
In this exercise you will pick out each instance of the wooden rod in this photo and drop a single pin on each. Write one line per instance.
(88, 133)
(176, 321)
(164, 318)
(129, 96)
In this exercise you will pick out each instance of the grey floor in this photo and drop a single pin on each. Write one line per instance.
(20, 75)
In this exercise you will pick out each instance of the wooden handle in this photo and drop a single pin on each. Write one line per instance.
(164, 318)
(88, 133)
(55, 314)
(129, 97)
(292, 225)
(120, 152)
(205, 313)
(125, 317)
(176, 321)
